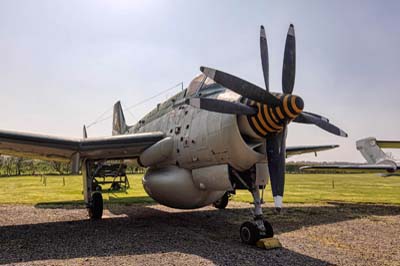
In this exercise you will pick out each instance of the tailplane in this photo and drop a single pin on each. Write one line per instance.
(119, 124)
(370, 150)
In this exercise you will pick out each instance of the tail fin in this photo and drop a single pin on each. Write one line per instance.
(370, 150)
(119, 124)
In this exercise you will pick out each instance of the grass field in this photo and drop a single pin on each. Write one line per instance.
(300, 188)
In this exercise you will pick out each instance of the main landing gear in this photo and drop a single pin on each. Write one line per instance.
(95, 209)
(93, 198)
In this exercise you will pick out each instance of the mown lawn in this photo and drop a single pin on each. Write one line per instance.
(300, 188)
(316, 188)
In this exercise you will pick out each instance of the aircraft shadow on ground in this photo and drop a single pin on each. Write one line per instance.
(145, 230)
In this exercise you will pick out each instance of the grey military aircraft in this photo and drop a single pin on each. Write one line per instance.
(377, 160)
(220, 134)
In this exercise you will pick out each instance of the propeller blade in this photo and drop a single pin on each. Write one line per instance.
(240, 86)
(264, 57)
(220, 106)
(289, 62)
(317, 115)
(276, 152)
(320, 121)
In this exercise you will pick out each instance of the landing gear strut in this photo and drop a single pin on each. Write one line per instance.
(93, 198)
(252, 231)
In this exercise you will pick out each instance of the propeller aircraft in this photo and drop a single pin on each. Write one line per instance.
(220, 134)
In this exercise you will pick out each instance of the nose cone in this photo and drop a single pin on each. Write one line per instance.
(298, 104)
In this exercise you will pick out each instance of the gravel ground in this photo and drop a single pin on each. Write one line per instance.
(330, 234)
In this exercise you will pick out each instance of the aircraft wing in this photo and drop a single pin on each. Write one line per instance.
(388, 144)
(63, 149)
(307, 149)
(354, 168)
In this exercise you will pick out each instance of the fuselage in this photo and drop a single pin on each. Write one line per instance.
(191, 167)
(202, 138)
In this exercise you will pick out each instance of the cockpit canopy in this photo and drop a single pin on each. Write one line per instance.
(202, 85)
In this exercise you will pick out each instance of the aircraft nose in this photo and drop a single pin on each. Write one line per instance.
(297, 104)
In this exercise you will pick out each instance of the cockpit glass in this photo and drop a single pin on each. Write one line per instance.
(201, 84)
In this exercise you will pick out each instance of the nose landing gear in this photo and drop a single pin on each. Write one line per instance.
(251, 232)
(254, 180)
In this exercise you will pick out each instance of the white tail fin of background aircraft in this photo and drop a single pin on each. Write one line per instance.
(370, 150)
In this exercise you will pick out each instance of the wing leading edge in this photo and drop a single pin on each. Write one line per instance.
(52, 148)
(308, 149)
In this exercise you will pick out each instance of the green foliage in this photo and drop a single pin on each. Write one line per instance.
(15, 166)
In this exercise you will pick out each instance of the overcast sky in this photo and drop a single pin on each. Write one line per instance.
(64, 63)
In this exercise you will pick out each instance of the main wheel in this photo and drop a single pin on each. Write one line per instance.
(222, 202)
(269, 231)
(96, 210)
(249, 233)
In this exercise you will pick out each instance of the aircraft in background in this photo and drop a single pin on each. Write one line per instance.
(371, 150)
(220, 134)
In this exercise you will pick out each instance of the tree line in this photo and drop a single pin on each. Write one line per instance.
(16, 166)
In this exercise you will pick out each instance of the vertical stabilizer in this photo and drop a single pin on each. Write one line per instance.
(370, 150)
(119, 124)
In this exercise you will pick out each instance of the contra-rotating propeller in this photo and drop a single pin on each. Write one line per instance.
(268, 113)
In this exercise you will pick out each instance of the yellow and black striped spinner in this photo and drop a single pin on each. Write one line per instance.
(272, 119)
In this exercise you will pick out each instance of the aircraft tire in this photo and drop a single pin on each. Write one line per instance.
(96, 210)
(249, 233)
(222, 202)
(269, 231)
